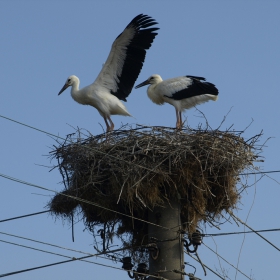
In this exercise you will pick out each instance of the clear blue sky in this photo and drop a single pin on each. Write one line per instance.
(235, 45)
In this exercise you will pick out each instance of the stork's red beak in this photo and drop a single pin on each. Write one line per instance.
(64, 88)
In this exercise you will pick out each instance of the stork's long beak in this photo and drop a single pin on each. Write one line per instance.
(63, 89)
(143, 84)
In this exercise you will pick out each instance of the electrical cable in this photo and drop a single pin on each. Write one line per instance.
(57, 263)
(89, 255)
(244, 235)
(24, 216)
(44, 243)
(206, 235)
(231, 233)
(52, 264)
(89, 202)
(239, 232)
(36, 249)
(48, 252)
(76, 198)
(226, 261)
(151, 170)
(52, 245)
(85, 201)
(70, 259)
(206, 266)
(231, 213)
(66, 140)
(253, 173)
(98, 151)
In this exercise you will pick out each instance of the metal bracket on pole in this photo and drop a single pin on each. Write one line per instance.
(192, 277)
(153, 249)
(139, 274)
(195, 240)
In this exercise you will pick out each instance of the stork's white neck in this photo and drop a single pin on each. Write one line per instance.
(75, 90)
(155, 96)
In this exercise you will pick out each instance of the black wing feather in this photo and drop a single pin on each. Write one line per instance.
(195, 89)
(196, 77)
(135, 54)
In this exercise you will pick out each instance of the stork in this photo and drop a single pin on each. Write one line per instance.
(119, 72)
(181, 92)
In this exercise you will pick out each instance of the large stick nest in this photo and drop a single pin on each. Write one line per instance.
(116, 179)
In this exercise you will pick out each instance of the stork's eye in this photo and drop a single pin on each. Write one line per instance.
(69, 80)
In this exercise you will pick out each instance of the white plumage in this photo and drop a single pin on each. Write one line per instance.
(181, 92)
(119, 73)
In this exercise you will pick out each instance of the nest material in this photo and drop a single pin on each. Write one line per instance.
(124, 174)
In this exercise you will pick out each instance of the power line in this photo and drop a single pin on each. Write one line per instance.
(49, 244)
(89, 202)
(82, 258)
(151, 170)
(81, 200)
(57, 263)
(206, 266)
(198, 260)
(261, 172)
(231, 233)
(24, 216)
(92, 255)
(70, 259)
(29, 126)
(238, 232)
(98, 151)
(76, 198)
(63, 248)
(253, 231)
(226, 261)
(66, 140)
(35, 249)
(230, 212)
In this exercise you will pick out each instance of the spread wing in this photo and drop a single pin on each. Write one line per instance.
(127, 56)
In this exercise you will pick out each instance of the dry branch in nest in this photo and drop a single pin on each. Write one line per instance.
(116, 179)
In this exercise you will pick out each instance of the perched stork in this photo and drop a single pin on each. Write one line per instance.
(181, 92)
(119, 73)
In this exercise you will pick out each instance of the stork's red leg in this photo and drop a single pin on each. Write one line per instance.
(178, 125)
(107, 125)
(111, 124)
(180, 117)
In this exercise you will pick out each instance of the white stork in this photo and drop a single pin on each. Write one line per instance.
(181, 92)
(119, 73)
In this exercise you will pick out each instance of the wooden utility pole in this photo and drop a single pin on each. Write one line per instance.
(168, 261)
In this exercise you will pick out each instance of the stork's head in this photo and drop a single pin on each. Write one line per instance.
(154, 79)
(71, 80)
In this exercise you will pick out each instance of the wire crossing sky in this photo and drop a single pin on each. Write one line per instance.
(234, 45)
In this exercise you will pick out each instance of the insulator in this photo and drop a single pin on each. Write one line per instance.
(196, 238)
(142, 268)
(127, 265)
(192, 277)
